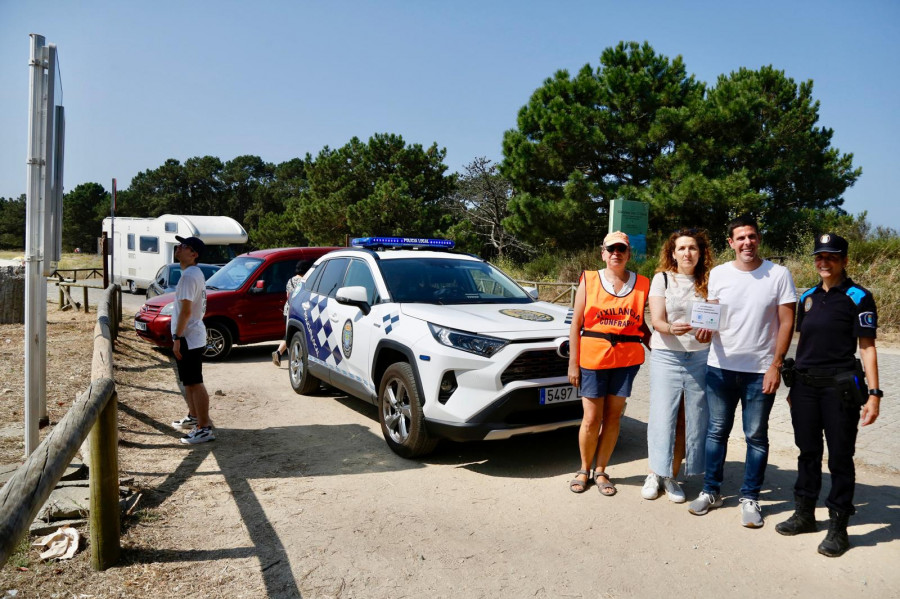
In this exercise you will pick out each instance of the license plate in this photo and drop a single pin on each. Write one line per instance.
(140, 326)
(550, 395)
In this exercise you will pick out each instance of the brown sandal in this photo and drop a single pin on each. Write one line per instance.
(576, 485)
(603, 487)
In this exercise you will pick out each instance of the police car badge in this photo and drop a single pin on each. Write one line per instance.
(347, 339)
(527, 315)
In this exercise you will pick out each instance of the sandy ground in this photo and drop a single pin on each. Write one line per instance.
(300, 496)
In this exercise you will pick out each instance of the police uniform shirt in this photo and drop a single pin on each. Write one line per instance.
(829, 323)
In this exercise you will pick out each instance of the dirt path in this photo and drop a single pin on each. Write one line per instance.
(300, 496)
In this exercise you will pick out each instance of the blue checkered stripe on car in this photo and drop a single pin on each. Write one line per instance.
(388, 320)
(569, 315)
(325, 341)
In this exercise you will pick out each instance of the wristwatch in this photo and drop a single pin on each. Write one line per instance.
(175, 337)
(877, 393)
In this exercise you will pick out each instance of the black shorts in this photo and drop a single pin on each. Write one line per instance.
(190, 366)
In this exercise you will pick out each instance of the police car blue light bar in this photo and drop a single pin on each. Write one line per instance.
(368, 242)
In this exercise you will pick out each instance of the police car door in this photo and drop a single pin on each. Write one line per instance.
(354, 330)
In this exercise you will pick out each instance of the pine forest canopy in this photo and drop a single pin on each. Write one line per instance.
(639, 126)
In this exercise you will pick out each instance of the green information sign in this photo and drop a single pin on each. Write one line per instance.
(631, 218)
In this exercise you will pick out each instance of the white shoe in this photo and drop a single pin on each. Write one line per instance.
(650, 490)
(673, 490)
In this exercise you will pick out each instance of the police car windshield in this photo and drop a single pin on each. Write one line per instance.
(233, 274)
(449, 281)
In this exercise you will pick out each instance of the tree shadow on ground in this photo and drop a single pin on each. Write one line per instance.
(246, 455)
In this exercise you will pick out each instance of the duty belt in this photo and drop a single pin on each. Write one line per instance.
(613, 338)
(821, 377)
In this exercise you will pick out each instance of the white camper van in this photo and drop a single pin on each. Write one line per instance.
(140, 246)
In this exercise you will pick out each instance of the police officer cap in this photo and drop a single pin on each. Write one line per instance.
(831, 244)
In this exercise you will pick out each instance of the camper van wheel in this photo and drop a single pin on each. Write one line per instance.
(218, 341)
(132, 287)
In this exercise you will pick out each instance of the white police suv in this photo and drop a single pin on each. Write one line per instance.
(446, 345)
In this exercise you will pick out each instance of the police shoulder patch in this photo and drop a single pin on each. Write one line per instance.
(868, 320)
(856, 294)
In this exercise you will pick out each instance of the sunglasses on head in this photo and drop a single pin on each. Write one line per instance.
(617, 247)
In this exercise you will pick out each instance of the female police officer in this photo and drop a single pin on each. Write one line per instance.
(828, 391)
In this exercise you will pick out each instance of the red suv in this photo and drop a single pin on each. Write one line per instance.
(244, 302)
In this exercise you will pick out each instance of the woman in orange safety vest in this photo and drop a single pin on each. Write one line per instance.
(605, 354)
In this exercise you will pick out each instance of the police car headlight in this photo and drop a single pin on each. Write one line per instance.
(168, 309)
(469, 342)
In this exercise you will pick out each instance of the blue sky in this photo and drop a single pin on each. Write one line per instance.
(147, 81)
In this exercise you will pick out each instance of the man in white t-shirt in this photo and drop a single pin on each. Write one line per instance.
(189, 340)
(758, 300)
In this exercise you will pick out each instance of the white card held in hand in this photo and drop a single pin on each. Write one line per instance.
(706, 316)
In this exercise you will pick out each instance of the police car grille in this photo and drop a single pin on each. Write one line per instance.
(531, 365)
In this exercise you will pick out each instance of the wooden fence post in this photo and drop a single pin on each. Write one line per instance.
(104, 476)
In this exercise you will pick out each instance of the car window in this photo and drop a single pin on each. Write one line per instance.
(449, 281)
(234, 274)
(313, 278)
(332, 276)
(359, 274)
(174, 275)
(208, 270)
(277, 275)
(160, 277)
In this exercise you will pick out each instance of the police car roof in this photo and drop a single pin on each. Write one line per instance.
(399, 253)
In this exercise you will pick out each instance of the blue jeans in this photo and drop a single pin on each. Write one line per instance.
(724, 389)
(675, 375)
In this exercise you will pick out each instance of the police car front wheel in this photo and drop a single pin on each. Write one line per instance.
(400, 413)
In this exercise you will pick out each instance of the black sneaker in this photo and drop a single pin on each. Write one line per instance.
(199, 435)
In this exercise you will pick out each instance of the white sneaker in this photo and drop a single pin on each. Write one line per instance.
(751, 515)
(199, 435)
(188, 422)
(650, 490)
(673, 490)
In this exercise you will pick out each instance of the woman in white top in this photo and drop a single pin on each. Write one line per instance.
(300, 269)
(676, 427)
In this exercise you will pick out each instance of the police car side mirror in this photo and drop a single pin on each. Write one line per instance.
(354, 296)
(532, 291)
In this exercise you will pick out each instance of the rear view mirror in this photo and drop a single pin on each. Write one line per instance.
(258, 287)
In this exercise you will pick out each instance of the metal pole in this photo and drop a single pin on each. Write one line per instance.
(32, 243)
(112, 232)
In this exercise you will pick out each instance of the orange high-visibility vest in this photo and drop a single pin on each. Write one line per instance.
(618, 317)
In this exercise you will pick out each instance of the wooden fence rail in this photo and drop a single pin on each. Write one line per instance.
(568, 293)
(86, 273)
(94, 413)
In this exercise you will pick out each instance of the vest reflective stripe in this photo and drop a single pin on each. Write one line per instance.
(606, 313)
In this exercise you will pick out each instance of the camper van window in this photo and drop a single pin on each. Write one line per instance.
(150, 244)
(131, 241)
(171, 227)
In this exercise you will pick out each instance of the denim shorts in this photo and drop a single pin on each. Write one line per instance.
(608, 381)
